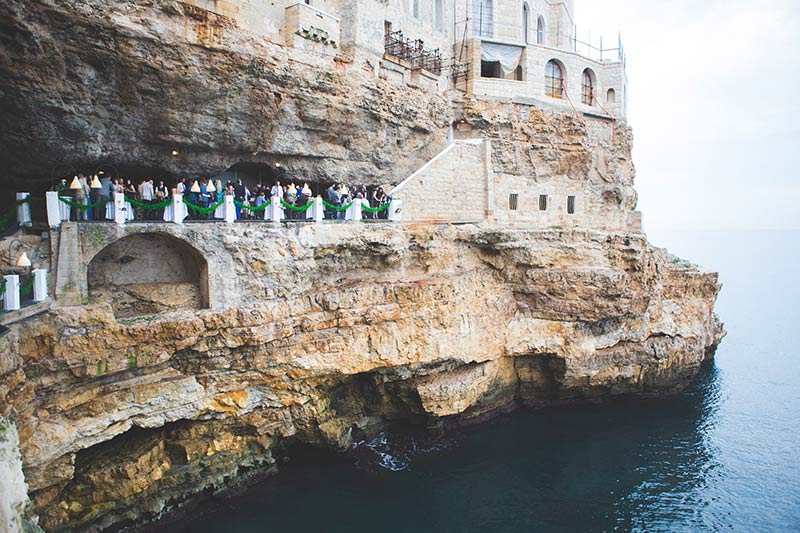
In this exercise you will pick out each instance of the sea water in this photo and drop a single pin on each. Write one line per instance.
(722, 456)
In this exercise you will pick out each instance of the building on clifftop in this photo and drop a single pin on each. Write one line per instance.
(520, 51)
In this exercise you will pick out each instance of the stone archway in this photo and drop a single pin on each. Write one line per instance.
(149, 273)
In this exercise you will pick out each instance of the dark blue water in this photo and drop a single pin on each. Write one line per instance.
(723, 456)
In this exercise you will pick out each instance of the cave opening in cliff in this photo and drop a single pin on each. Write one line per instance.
(149, 273)
(253, 174)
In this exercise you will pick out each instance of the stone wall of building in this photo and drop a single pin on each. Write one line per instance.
(453, 186)
(532, 86)
(312, 30)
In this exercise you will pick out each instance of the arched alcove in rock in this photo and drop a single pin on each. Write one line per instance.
(149, 273)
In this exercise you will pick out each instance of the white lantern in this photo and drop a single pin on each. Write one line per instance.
(23, 260)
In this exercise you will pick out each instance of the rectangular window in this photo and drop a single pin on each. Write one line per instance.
(482, 18)
(571, 205)
(513, 201)
(490, 69)
(542, 202)
(438, 15)
(416, 8)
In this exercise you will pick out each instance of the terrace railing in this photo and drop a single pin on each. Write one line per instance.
(176, 209)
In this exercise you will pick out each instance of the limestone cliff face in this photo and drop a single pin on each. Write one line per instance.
(15, 516)
(339, 332)
(126, 82)
(128, 408)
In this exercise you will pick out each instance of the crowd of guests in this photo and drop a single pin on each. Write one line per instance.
(207, 193)
(339, 194)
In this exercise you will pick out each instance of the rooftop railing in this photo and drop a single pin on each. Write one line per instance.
(413, 51)
(515, 34)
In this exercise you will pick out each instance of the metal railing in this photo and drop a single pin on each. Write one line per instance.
(413, 51)
(514, 33)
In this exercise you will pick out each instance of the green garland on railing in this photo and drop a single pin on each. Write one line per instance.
(336, 207)
(2, 287)
(369, 209)
(12, 211)
(143, 205)
(202, 210)
(302, 208)
(252, 207)
(83, 207)
(4, 220)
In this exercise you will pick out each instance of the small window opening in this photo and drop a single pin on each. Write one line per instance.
(490, 69)
(611, 97)
(542, 202)
(513, 201)
(438, 15)
(571, 205)
(482, 18)
(387, 27)
(518, 73)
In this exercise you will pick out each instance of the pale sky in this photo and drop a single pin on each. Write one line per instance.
(714, 102)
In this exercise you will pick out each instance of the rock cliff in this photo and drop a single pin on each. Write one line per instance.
(134, 405)
(83, 83)
(342, 332)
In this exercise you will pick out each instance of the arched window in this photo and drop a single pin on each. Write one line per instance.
(587, 85)
(540, 30)
(611, 96)
(526, 15)
(554, 79)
